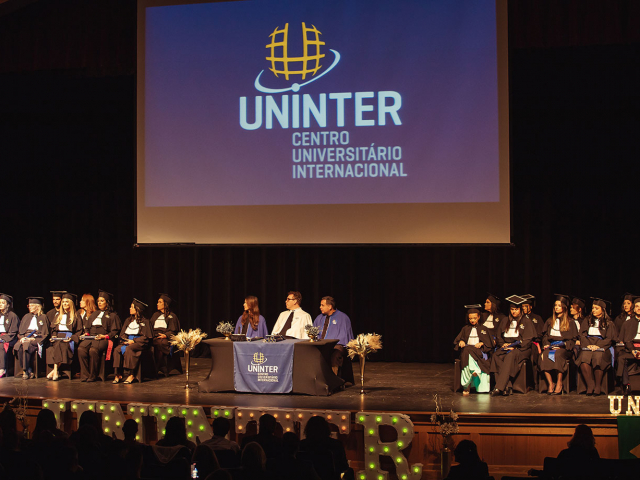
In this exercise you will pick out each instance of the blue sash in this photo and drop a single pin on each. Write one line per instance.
(129, 337)
(552, 353)
(514, 344)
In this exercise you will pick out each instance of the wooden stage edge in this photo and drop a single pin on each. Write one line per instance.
(513, 433)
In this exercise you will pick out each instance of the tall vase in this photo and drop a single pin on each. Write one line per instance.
(445, 462)
(362, 360)
(186, 361)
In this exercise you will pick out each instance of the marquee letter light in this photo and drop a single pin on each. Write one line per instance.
(374, 447)
(112, 418)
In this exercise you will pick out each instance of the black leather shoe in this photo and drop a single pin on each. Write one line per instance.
(626, 389)
(507, 392)
(495, 392)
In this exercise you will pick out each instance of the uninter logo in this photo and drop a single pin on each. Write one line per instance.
(290, 111)
(257, 364)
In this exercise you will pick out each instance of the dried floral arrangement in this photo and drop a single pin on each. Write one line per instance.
(187, 341)
(225, 328)
(364, 344)
(447, 423)
(312, 331)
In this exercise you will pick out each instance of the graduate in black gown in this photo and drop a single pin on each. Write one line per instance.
(538, 325)
(560, 333)
(135, 336)
(165, 323)
(513, 346)
(475, 346)
(628, 357)
(597, 335)
(56, 298)
(492, 318)
(104, 325)
(33, 332)
(9, 325)
(67, 326)
(626, 313)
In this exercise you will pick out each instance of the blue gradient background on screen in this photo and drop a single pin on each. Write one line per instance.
(440, 56)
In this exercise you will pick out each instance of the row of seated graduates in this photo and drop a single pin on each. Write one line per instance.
(65, 336)
(88, 453)
(591, 345)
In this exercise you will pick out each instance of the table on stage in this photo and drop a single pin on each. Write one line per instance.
(311, 375)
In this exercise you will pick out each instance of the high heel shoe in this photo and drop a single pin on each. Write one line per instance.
(50, 374)
(551, 389)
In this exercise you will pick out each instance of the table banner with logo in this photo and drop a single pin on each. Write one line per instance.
(263, 367)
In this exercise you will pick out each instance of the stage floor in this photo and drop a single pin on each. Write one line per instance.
(390, 387)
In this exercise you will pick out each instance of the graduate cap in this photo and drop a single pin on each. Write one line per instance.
(477, 308)
(516, 300)
(529, 299)
(600, 302)
(141, 305)
(7, 298)
(629, 296)
(165, 298)
(35, 300)
(70, 296)
(578, 301)
(106, 295)
(493, 299)
(562, 298)
(58, 293)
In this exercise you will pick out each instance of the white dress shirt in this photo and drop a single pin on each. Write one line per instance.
(300, 320)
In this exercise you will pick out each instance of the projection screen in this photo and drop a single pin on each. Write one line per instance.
(323, 122)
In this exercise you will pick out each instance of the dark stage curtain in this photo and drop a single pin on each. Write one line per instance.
(67, 143)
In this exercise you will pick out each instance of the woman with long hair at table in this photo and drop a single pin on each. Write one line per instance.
(135, 336)
(559, 335)
(596, 337)
(33, 332)
(165, 324)
(87, 306)
(251, 323)
(65, 335)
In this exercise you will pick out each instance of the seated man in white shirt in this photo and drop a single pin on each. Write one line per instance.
(292, 321)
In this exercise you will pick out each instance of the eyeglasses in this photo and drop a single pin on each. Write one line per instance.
(290, 299)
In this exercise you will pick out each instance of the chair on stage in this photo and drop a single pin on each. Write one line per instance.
(634, 382)
(457, 371)
(543, 386)
(522, 381)
(607, 382)
(38, 365)
(146, 366)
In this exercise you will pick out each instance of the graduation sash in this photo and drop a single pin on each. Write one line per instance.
(129, 337)
(552, 353)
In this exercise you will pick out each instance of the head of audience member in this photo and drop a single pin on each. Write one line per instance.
(253, 457)
(90, 418)
(317, 429)
(221, 474)
(290, 444)
(466, 452)
(46, 421)
(267, 424)
(9, 430)
(130, 430)
(205, 460)
(221, 427)
(175, 432)
(294, 299)
(327, 305)
(583, 438)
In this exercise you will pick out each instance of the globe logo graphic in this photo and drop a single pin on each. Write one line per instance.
(259, 358)
(302, 68)
(309, 62)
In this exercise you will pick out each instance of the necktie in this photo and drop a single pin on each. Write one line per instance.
(326, 326)
(287, 324)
